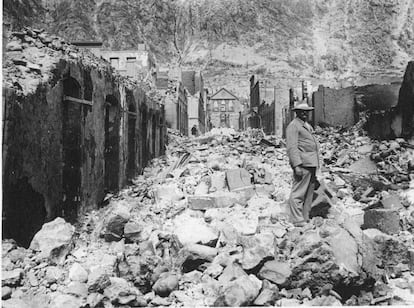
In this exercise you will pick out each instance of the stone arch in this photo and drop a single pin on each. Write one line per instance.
(71, 146)
(111, 148)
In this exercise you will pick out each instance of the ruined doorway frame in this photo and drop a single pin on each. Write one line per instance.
(132, 143)
(71, 149)
(154, 136)
(111, 143)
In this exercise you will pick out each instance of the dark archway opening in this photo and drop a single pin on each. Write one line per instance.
(111, 151)
(24, 212)
(132, 119)
(72, 155)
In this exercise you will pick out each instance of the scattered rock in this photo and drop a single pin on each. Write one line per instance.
(198, 251)
(14, 46)
(242, 291)
(238, 179)
(388, 221)
(78, 273)
(160, 301)
(256, 248)
(190, 230)
(120, 292)
(324, 301)
(94, 300)
(15, 303)
(98, 279)
(32, 279)
(276, 272)
(231, 272)
(391, 202)
(115, 222)
(54, 240)
(65, 301)
(53, 274)
(77, 288)
(11, 278)
(268, 295)
(6, 292)
(167, 283)
(132, 231)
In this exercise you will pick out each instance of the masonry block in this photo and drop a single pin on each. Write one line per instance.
(391, 202)
(386, 220)
(238, 178)
(201, 202)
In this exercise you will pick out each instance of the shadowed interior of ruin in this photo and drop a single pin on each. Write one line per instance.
(25, 212)
(72, 150)
(112, 117)
(132, 118)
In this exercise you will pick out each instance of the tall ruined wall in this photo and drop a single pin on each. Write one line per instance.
(405, 106)
(73, 130)
(334, 106)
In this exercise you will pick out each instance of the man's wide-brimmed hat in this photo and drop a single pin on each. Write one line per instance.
(302, 106)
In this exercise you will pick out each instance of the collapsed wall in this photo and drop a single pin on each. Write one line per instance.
(73, 130)
(389, 107)
(405, 108)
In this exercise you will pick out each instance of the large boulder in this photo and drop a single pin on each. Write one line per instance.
(332, 255)
(54, 241)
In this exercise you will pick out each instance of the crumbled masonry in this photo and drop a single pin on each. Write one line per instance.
(205, 225)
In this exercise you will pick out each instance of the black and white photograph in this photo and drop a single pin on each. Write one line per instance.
(207, 153)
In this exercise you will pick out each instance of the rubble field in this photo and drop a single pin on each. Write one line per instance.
(205, 225)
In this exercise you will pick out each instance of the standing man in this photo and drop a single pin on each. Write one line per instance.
(303, 152)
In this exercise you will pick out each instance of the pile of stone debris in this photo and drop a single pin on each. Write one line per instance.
(32, 55)
(205, 225)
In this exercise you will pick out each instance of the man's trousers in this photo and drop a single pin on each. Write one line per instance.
(301, 196)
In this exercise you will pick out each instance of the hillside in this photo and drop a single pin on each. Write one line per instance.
(334, 42)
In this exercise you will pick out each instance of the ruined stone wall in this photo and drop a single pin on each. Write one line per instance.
(35, 153)
(267, 117)
(335, 107)
(405, 107)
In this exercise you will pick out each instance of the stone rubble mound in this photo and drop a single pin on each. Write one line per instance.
(205, 225)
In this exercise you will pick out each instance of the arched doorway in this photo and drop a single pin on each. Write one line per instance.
(111, 151)
(72, 155)
(132, 119)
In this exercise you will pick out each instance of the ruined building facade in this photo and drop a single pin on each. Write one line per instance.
(224, 109)
(70, 138)
(265, 112)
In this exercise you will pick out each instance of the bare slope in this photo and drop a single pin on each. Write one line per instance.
(333, 42)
